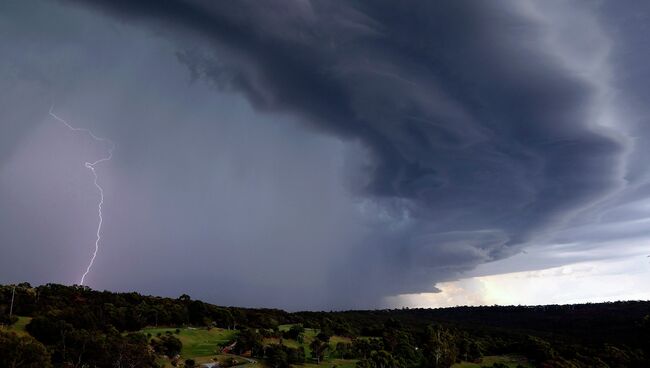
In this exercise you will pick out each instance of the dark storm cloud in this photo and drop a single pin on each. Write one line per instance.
(460, 103)
(470, 129)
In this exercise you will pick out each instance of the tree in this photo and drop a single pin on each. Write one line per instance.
(249, 339)
(343, 350)
(538, 349)
(190, 363)
(132, 350)
(22, 352)
(295, 356)
(48, 330)
(294, 332)
(277, 357)
(400, 344)
(363, 347)
(5, 319)
(323, 336)
(440, 348)
(380, 359)
(197, 312)
(318, 349)
(222, 317)
(167, 345)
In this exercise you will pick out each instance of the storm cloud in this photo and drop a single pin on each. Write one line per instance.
(325, 154)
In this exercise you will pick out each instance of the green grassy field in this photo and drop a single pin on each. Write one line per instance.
(198, 342)
(202, 345)
(512, 361)
(19, 326)
(284, 327)
(309, 336)
(286, 342)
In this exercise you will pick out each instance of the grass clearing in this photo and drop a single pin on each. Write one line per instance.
(309, 336)
(19, 326)
(283, 328)
(203, 345)
(198, 342)
(337, 339)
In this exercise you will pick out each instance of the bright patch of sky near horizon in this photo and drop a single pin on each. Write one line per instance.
(585, 282)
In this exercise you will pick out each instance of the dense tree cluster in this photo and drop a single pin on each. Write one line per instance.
(167, 345)
(86, 308)
(73, 346)
(400, 347)
(250, 341)
(319, 346)
(282, 356)
(296, 332)
(76, 326)
(22, 352)
(587, 335)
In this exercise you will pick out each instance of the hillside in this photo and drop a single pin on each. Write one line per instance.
(66, 325)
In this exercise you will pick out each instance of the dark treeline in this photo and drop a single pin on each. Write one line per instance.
(87, 308)
(76, 326)
(592, 323)
(584, 335)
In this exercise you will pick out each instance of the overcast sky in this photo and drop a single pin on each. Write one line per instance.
(324, 155)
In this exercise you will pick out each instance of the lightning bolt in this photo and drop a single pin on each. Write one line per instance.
(91, 167)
